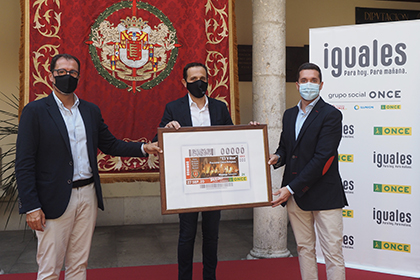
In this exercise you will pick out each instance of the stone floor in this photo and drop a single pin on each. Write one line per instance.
(120, 246)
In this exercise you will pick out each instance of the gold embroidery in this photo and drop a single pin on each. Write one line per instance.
(212, 36)
(216, 62)
(108, 163)
(216, 32)
(44, 52)
(53, 32)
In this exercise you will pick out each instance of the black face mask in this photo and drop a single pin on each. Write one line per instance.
(198, 88)
(66, 84)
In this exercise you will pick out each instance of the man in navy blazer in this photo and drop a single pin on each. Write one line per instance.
(312, 186)
(196, 109)
(57, 172)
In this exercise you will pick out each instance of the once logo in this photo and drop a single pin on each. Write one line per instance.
(391, 246)
(385, 94)
(378, 130)
(345, 158)
(391, 188)
(238, 179)
(363, 56)
(390, 107)
(348, 213)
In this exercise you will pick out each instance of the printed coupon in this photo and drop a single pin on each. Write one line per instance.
(215, 167)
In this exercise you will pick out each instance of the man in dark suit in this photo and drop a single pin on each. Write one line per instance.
(312, 186)
(57, 172)
(196, 109)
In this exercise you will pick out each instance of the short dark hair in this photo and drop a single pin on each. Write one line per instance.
(193, 64)
(309, 66)
(66, 56)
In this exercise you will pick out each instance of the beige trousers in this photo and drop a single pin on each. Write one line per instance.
(68, 237)
(329, 226)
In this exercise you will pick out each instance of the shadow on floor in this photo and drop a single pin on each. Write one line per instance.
(136, 245)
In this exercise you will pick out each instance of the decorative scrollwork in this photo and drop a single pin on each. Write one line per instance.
(41, 57)
(107, 163)
(44, 52)
(54, 29)
(216, 62)
(220, 28)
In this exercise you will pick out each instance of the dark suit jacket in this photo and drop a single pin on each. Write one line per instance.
(44, 163)
(179, 110)
(312, 160)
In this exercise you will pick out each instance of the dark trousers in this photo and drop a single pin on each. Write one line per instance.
(187, 233)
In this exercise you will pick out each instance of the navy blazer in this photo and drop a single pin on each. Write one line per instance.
(312, 159)
(179, 110)
(44, 163)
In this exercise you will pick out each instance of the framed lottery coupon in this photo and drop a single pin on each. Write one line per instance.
(214, 168)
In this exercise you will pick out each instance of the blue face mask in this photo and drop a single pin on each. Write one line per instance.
(309, 91)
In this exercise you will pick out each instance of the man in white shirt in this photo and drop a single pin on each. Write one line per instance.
(196, 109)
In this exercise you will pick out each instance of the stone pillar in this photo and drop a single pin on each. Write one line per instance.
(269, 96)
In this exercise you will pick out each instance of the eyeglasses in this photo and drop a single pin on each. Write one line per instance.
(62, 72)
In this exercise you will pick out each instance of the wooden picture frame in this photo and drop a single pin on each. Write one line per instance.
(214, 168)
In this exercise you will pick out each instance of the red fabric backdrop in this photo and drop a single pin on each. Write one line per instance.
(173, 33)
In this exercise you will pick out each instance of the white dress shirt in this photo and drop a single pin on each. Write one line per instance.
(199, 117)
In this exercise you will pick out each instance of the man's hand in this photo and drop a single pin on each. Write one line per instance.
(152, 148)
(283, 194)
(36, 220)
(273, 159)
(254, 123)
(173, 124)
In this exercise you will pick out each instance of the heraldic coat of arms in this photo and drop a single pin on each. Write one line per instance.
(133, 45)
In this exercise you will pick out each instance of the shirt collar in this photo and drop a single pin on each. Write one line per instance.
(191, 102)
(310, 106)
(61, 105)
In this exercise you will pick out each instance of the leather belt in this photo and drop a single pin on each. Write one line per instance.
(82, 183)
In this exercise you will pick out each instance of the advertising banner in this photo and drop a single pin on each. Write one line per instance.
(370, 73)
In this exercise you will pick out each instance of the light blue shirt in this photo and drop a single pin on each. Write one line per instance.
(301, 117)
(78, 141)
(300, 120)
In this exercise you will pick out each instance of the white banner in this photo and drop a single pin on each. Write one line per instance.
(371, 73)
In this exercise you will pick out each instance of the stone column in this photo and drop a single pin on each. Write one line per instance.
(269, 96)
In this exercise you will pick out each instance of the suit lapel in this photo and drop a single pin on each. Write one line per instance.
(56, 116)
(292, 127)
(312, 116)
(186, 111)
(213, 120)
(87, 121)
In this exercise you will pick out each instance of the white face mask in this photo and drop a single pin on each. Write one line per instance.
(309, 91)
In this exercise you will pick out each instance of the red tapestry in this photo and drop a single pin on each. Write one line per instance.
(132, 54)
